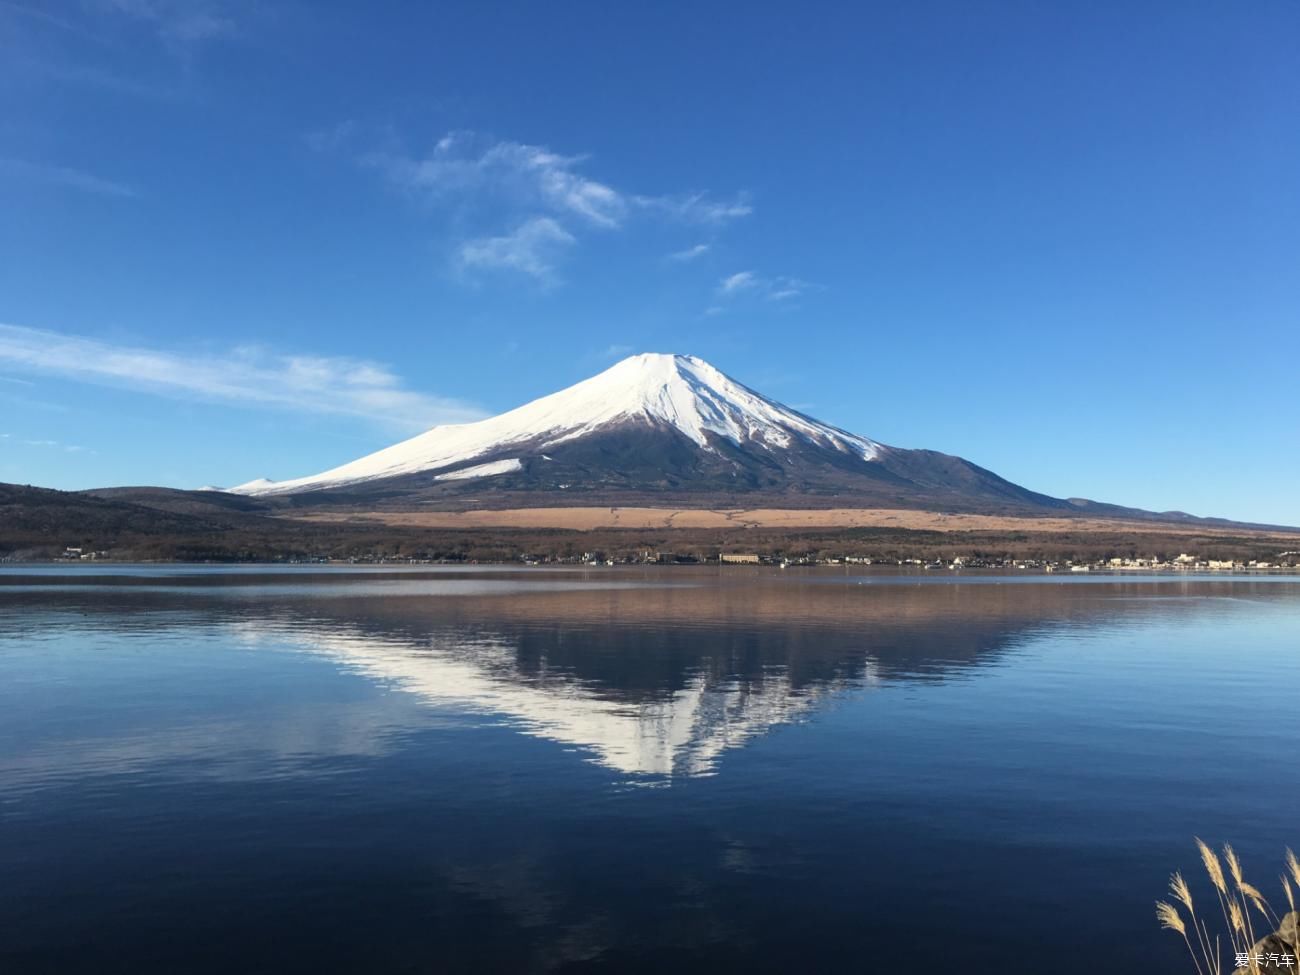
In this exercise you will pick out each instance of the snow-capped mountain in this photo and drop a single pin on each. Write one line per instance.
(654, 424)
(680, 392)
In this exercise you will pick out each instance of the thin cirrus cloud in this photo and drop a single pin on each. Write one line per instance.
(71, 37)
(63, 176)
(544, 194)
(527, 175)
(178, 21)
(690, 253)
(246, 377)
(698, 207)
(462, 165)
(740, 281)
(776, 289)
(533, 247)
(70, 448)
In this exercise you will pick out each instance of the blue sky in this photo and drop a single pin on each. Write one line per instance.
(259, 239)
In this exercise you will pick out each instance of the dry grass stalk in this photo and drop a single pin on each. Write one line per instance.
(1258, 902)
(1234, 917)
(1212, 866)
(1235, 901)
(1234, 865)
(1171, 920)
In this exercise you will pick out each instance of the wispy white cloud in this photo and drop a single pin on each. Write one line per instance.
(531, 248)
(61, 43)
(47, 18)
(515, 181)
(774, 289)
(245, 376)
(698, 207)
(69, 448)
(740, 281)
(690, 253)
(178, 21)
(783, 289)
(460, 165)
(66, 176)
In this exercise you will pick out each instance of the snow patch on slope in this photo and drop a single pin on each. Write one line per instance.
(682, 391)
(483, 470)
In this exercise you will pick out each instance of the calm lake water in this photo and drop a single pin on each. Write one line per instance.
(312, 770)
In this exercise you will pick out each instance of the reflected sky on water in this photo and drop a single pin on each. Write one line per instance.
(434, 770)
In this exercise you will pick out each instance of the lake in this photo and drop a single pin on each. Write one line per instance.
(488, 769)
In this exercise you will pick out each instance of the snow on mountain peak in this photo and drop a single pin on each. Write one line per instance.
(680, 391)
(688, 393)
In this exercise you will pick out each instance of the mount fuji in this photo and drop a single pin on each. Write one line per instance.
(657, 428)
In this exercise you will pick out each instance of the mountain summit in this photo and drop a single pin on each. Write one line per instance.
(681, 393)
(654, 427)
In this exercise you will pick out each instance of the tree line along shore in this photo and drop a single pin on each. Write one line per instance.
(1118, 551)
(43, 525)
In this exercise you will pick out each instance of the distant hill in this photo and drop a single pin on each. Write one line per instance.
(158, 523)
(42, 522)
(40, 514)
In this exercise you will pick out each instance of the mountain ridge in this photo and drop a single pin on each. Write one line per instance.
(680, 392)
(655, 427)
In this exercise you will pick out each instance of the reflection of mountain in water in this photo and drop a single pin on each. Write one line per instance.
(651, 679)
(682, 731)
(662, 681)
